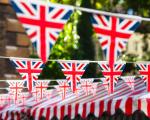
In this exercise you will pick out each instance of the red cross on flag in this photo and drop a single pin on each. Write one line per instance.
(73, 70)
(113, 34)
(63, 87)
(15, 88)
(29, 70)
(88, 86)
(42, 22)
(129, 80)
(111, 74)
(41, 87)
(144, 70)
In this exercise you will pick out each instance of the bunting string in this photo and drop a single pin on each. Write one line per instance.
(89, 10)
(57, 60)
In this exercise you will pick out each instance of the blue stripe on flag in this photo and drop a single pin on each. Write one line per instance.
(93, 20)
(35, 6)
(17, 9)
(13, 64)
(50, 9)
(134, 27)
(67, 15)
(34, 44)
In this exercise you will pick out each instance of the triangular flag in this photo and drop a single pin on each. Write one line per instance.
(29, 70)
(63, 87)
(73, 70)
(144, 70)
(15, 88)
(113, 34)
(129, 80)
(111, 74)
(43, 22)
(40, 89)
(88, 86)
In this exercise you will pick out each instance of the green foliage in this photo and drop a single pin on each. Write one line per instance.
(64, 48)
(77, 40)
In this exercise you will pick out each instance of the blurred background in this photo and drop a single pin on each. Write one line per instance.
(77, 41)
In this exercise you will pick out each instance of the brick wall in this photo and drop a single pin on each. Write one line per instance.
(13, 40)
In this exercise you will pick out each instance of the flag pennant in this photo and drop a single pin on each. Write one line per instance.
(111, 74)
(73, 70)
(113, 34)
(15, 88)
(29, 70)
(144, 70)
(88, 86)
(63, 87)
(41, 89)
(42, 22)
(129, 80)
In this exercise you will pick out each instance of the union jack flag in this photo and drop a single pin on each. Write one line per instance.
(111, 73)
(113, 34)
(29, 70)
(88, 86)
(15, 88)
(129, 80)
(43, 22)
(144, 70)
(63, 87)
(41, 88)
(73, 70)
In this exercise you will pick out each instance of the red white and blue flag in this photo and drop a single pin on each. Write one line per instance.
(41, 89)
(111, 74)
(29, 70)
(130, 81)
(113, 34)
(88, 86)
(15, 88)
(63, 87)
(43, 22)
(73, 70)
(144, 70)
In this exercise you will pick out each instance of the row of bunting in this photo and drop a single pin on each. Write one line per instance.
(74, 70)
(44, 21)
(17, 95)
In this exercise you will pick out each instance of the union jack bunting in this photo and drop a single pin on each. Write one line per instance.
(40, 88)
(15, 88)
(144, 70)
(29, 70)
(111, 73)
(73, 70)
(113, 34)
(88, 86)
(43, 22)
(63, 87)
(129, 80)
